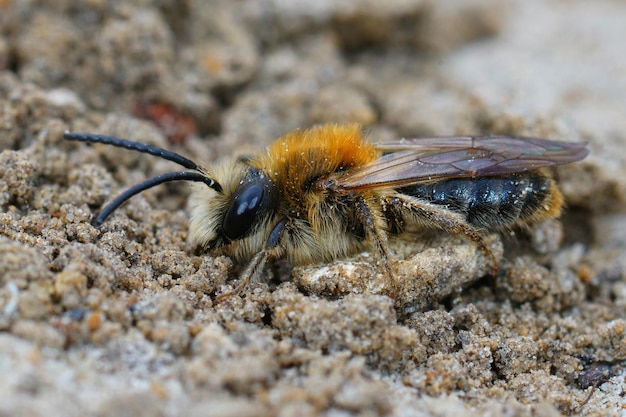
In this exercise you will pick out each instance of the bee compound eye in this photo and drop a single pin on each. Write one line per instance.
(243, 212)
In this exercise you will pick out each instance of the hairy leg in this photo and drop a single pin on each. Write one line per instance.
(437, 216)
(258, 261)
(377, 235)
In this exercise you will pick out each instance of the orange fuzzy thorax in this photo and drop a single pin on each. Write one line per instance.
(302, 156)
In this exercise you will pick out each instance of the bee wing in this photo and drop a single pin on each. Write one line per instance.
(412, 161)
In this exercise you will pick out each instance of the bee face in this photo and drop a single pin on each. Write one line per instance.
(245, 204)
(326, 192)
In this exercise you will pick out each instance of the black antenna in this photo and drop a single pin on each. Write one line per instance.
(133, 146)
(199, 176)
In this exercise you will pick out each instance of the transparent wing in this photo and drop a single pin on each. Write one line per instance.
(412, 161)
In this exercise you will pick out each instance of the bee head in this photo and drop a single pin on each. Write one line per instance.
(222, 212)
(239, 210)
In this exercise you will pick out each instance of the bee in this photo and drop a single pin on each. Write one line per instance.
(324, 193)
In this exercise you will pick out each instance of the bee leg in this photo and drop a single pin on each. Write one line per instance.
(375, 232)
(433, 215)
(258, 261)
(254, 268)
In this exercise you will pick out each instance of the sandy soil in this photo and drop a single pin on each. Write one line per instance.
(125, 319)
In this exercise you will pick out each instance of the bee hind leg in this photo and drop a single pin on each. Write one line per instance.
(437, 216)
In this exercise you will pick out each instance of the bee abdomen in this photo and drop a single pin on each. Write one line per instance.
(493, 202)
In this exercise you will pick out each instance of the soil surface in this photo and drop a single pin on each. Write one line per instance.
(127, 319)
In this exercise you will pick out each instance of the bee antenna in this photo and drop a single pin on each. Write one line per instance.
(133, 146)
(198, 176)
(153, 182)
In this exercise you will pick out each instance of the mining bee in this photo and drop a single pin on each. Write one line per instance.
(326, 192)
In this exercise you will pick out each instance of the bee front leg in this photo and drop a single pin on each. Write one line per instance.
(258, 261)
(436, 216)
